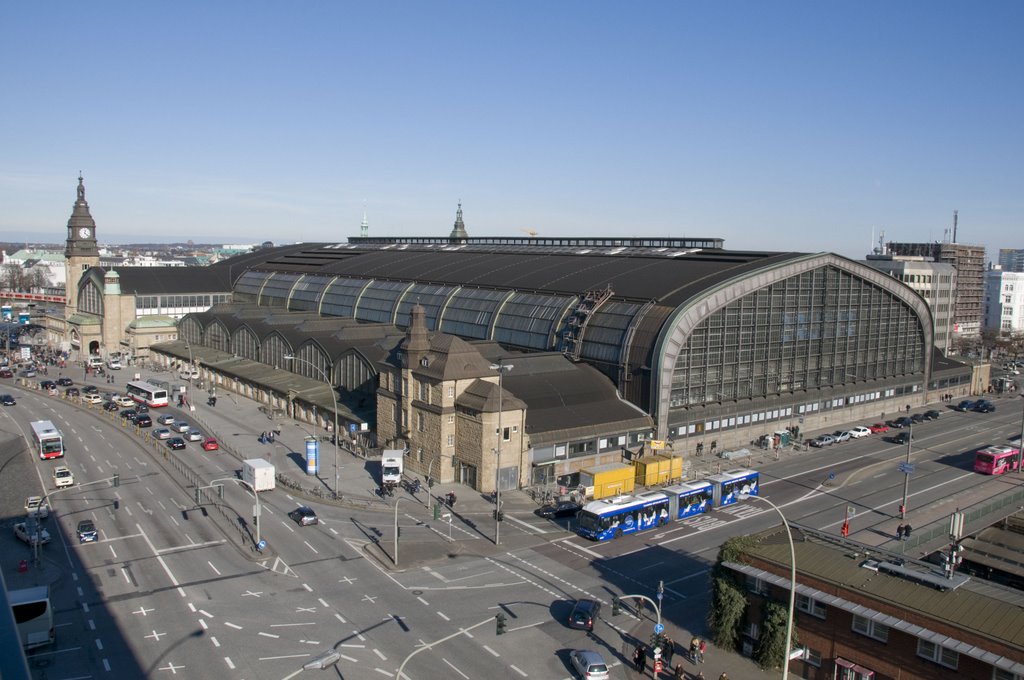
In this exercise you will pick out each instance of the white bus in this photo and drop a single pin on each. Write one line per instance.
(48, 440)
(147, 393)
(33, 615)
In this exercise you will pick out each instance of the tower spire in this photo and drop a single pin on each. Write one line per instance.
(364, 226)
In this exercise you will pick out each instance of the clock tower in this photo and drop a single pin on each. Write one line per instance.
(81, 252)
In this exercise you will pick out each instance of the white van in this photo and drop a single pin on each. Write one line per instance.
(114, 364)
(95, 362)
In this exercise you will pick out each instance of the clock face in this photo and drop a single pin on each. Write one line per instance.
(84, 232)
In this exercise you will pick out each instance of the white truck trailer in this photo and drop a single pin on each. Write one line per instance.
(259, 474)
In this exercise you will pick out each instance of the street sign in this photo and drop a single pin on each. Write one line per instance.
(831, 475)
(657, 444)
(906, 468)
(659, 628)
(851, 511)
(261, 546)
(352, 427)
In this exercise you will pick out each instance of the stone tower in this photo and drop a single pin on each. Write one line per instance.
(81, 252)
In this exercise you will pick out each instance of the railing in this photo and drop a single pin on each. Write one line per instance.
(975, 515)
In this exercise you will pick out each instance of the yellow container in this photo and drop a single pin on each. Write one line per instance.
(659, 469)
(612, 479)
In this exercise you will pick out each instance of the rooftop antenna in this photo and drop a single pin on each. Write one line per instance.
(364, 227)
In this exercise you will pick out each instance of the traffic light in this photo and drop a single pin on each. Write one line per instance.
(502, 622)
(198, 500)
(117, 479)
(220, 491)
(616, 606)
(498, 515)
(255, 520)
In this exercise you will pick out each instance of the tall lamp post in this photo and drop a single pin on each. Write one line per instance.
(792, 581)
(1020, 444)
(334, 397)
(500, 368)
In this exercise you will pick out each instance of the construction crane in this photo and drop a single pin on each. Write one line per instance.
(531, 232)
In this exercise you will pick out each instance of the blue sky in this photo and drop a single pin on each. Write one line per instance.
(774, 125)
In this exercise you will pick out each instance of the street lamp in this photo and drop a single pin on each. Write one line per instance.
(500, 368)
(337, 435)
(1020, 444)
(792, 580)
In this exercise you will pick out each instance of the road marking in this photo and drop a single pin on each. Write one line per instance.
(231, 625)
(206, 613)
(160, 561)
(322, 602)
(453, 668)
(351, 660)
(289, 625)
(422, 600)
(527, 525)
(306, 610)
(574, 546)
(518, 671)
(311, 547)
(99, 644)
(85, 606)
(216, 643)
(106, 665)
(269, 635)
(192, 607)
(112, 551)
(340, 617)
(367, 598)
(380, 654)
(227, 660)
(202, 624)
(306, 586)
(896, 500)
(92, 625)
(287, 656)
(494, 653)
(441, 614)
(155, 635)
(331, 529)
(216, 571)
(172, 668)
(384, 672)
(249, 593)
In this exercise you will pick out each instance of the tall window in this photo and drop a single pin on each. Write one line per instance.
(872, 629)
(810, 605)
(937, 653)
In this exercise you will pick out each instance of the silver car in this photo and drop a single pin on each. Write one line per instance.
(589, 664)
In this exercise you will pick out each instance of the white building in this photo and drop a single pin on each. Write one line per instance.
(1004, 301)
(934, 281)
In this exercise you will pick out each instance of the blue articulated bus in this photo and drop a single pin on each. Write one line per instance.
(609, 518)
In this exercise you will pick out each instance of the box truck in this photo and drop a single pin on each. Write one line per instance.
(258, 473)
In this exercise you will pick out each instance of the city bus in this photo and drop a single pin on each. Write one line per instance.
(995, 460)
(33, 616)
(48, 440)
(612, 517)
(728, 486)
(147, 393)
(688, 499)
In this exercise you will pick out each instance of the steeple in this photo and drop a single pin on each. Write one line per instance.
(364, 227)
(458, 234)
(81, 227)
(417, 337)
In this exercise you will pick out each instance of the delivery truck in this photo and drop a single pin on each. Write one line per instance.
(259, 474)
(391, 462)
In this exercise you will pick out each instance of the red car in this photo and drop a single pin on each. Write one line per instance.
(6, 373)
(210, 444)
(878, 427)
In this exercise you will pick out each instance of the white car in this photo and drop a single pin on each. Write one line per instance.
(92, 398)
(859, 431)
(35, 506)
(124, 402)
(114, 365)
(33, 535)
(182, 426)
(162, 433)
(166, 419)
(194, 436)
(62, 477)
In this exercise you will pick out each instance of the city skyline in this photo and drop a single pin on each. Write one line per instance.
(799, 127)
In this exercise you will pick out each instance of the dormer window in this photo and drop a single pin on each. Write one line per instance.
(424, 362)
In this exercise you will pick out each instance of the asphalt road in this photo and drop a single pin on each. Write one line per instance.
(165, 592)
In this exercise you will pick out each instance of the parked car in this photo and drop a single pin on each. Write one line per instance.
(194, 436)
(210, 444)
(965, 405)
(931, 415)
(176, 443)
(304, 516)
(842, 436)
(823, 441)
(878, 428)
(162, 433)
(110, 406)
(6, 373)
(859, 431)
(65, 381)
(559, 509)
(35, 506)
(584, 614)
(32, 535)
(166, 419)
(7, 400)
(588, 664)
(87, 532)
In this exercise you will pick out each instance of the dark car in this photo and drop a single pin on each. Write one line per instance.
(901, 438)
(905, 421)
(965, 405)
(87, 532)
(304, 516)
(984, 407)
(176, 443)
(6, 373)
(7, 400)
(65, 381)
(143, 420)
(918, 418)
(47, 385)
(559, 509)
(932, 415)
(71, 392)
(90, 389)
(129, 414)
(141, 408)
(110, 406)
(583, 614)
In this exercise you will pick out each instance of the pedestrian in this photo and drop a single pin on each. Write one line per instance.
(702, 647)
(638, 655)
(680, 673)
(899, 532)
(642, 666)
(723, 676)
(668, 651)
(694, 644)
(906, 530)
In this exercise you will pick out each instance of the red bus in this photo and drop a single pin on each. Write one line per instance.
(995, 460)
